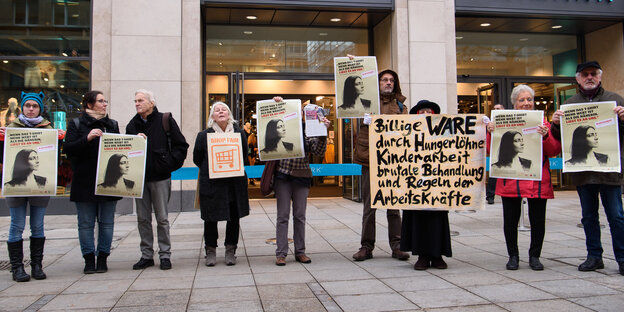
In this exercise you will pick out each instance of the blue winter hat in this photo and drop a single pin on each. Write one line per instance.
(37, 97)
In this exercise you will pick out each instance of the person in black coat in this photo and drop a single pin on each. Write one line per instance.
(223, 199)
(166, 151)
(81, 145)
(426, 233)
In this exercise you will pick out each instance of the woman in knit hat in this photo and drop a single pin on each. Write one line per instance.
(32, 108)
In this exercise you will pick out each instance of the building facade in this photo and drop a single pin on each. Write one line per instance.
(194, 52)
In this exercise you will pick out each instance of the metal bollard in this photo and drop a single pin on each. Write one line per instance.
(522, 227)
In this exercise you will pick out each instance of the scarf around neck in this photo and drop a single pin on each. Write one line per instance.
(95, 114)
(590, 94)
(217, 128)
(30, 122)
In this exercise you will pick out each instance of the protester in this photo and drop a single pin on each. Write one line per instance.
(223, 199)
(82, 146)
(491, 182)
(166, 151)
(392, 102)
(426, 233)
(30, 117)
(591, 184)
(293, 179)
(512, 191)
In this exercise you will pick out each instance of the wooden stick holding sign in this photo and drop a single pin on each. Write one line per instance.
(225, 155)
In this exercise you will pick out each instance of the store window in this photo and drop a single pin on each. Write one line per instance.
(280, 49)
(45, 46)
(508, 54)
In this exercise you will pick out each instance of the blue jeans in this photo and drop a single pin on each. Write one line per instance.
(611, 196)
(18, 222)
(87, 214)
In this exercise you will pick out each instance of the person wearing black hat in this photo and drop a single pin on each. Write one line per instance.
(391, 102)
(606, 184)
(426, 233)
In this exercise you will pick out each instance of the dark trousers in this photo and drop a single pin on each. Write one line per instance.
(511, 217)
(368, 218)
(232, 228)
(490, 189)
(612, 203)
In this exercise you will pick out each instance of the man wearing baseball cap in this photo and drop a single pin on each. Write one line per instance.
(591, 185)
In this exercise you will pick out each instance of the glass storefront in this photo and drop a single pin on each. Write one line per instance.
(245, 64)
(280, 49)
(45, 46)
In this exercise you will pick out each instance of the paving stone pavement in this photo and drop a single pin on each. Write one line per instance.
(476, 279)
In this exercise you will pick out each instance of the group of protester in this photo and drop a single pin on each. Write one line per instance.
(422, 233)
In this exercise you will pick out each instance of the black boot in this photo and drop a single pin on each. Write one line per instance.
(36, 257)
(89, 263)
(101, 262)
(16, 256)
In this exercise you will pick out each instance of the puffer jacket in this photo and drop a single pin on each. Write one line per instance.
(529, 188)
(584, 177)
(361, 156)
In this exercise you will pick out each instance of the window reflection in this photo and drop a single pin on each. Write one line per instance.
(506, 54)
(280, 49)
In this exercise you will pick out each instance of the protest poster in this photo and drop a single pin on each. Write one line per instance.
(225, 155)
(516, 146)
(314, 127)
(589, 137)
(121, 165)
(357, 86)
(427, 162)
(280, 134)
(30, 162)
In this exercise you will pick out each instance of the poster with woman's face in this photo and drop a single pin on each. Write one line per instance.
(589, 137)
(30, 162)
(516, 146)
(280, 134)
(121, 165)
(357, 87)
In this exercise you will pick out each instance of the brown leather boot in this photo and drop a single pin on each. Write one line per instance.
(398, 254)
(363, 254)
(422, 263)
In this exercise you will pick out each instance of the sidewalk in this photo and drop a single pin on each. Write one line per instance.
(476, 279)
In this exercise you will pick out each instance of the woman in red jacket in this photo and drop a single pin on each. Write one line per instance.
(536, 192)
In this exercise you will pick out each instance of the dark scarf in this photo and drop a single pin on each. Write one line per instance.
(590, 94)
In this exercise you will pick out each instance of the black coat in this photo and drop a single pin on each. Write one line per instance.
(84, 155)
(160, 161)
(217, 195)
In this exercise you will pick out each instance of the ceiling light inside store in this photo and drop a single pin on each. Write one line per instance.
(485, 24)
(5, 62)
(459, 38)
(323, 34)
(220, 43)
(273, 55)
(335, 20)
(251, 17)
(556, 27)
(247, 32)
(524, 39)
(62, 86)
(64, 54)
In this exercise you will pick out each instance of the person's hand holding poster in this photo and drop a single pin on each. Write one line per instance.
(30, 162)
(516, 145)
(357, 87)
(313, 125)
(280, 134)
(589, 137)
(225, 155)
(424, 162)
(121, 165)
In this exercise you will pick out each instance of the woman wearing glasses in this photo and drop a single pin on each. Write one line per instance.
(81, 145)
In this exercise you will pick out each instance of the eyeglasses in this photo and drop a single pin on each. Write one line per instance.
(593, 74)
(31, 105)
(387, 80)
(102, 101)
